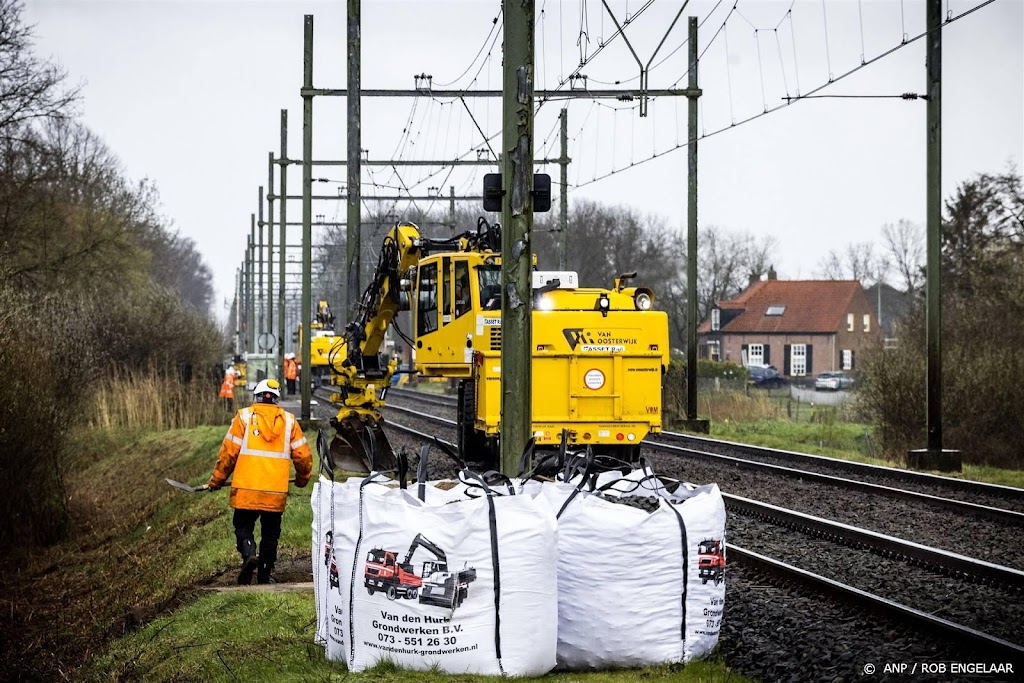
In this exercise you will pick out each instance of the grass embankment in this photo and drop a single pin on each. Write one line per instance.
(121, 599)
(776, 421)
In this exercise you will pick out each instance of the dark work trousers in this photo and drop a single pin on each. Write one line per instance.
(245, 527)
(291, 386)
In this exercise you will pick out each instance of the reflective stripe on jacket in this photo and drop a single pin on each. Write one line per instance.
(262, 443)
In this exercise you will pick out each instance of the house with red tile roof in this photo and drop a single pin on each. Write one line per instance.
(802, 327)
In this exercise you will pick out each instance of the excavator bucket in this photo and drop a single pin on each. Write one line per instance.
(360, 446)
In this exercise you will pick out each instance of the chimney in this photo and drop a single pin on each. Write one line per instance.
(752, 279)
(772, 275)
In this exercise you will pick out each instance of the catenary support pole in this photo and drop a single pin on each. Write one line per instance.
(517, 222)
(934, 456)
(307, 213)
(250, 289)
(692, 422)
(260, 328)
(563, 203)
(282, 265)
(451, 208)
(238, 311)
(270, 247)
(353, 248)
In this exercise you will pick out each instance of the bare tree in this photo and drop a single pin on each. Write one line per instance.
(858, 262)
(905, 243)
(31, 89)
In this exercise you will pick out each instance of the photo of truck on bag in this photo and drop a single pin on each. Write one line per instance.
(434, 585)
(711, 561)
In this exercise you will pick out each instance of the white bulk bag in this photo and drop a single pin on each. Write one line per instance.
(478, 594)
(622, 570)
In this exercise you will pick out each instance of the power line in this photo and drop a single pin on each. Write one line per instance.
(809, 95)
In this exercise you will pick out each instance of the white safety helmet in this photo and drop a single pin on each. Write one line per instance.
(267, 391)
(289, 355)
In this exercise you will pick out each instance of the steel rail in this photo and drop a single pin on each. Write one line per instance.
(996, 647)
(925, 555)
(431, 399)
(964, 485)
(963, 507)
(960, 506)
(967, 485)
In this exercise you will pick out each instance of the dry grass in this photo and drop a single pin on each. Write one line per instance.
(151, 400)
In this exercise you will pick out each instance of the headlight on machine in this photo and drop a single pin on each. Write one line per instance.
(643, 301)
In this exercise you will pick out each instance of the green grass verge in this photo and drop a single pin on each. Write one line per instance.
(131, 605)
(269, 637)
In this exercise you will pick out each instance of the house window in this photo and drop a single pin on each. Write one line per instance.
(715, 350)
(716, 319)
(798, 360)
(755, 354)
(867, 322)
(775, 310)
(849, 322)
(847, 359)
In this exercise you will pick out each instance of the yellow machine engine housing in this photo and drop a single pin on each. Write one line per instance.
(598, 354)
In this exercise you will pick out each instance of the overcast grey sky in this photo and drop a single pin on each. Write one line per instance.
(189, 93)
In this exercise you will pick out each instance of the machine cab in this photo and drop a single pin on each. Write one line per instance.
(457, 296)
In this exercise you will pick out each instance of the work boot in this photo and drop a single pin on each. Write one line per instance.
(248, 562)
(263, 573)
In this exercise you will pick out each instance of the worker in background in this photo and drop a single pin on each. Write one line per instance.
(462, 301)
(263, 441)
(227, 388)
(291, 372)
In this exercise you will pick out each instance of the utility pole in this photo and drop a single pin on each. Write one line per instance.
(270, 245)
(692, 423)
(517, 222)
(283, 161)
(353, 233)
(238, 311)
(451, 208)
(260, 329)
(307, 213)
(250, 303)
(563, 203)
(934, 456)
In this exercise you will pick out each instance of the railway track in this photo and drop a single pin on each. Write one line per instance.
(993, 501)
(925, 589)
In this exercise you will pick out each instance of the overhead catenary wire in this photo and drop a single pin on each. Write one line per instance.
(786, 103)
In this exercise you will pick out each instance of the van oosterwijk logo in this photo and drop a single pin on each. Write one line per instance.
(577, 335)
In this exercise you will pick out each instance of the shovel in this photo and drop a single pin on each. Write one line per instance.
(204, 487)
(186, 487)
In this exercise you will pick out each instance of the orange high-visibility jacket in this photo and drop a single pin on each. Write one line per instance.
(291, 368)
(259, 448)
(227, 387)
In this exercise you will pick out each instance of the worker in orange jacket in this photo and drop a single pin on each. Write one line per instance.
(262, 443)
(291, 372)
(227, 387)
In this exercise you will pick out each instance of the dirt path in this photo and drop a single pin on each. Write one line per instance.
(306, 587)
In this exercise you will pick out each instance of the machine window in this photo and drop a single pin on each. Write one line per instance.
(489, 280)
(463, 296)
(426, 310)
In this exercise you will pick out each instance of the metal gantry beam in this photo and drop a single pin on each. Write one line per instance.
(623, 94)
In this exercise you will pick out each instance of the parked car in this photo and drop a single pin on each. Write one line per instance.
(765, 376)
(833, 381)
